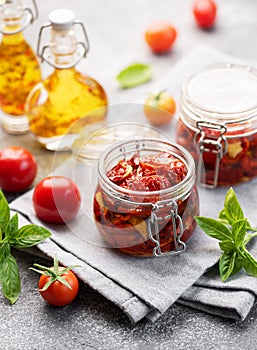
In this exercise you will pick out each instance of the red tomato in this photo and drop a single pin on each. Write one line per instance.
(56, 199)
(205, 13)
(57, 293)
(160, 37)
(18, 169)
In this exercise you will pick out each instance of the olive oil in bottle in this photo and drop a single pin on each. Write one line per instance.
(19, 67)
(66, 95)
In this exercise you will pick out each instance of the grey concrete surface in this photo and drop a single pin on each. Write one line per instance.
(115, 30)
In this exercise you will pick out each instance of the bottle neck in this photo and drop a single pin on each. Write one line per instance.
(61, 62)
(12, 17)
(65, 74)
(63, 48)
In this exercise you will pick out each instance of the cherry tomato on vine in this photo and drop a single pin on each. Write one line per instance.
(160, 108)
(18, 169)
(56, 199)
(57, 293)
(205, 13)
(160, 37)
(57, 285)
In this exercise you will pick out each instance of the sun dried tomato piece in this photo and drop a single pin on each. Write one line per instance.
(237, 148)
(120, 172)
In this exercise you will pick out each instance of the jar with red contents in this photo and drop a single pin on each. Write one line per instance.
(218, 123)
(146, 198)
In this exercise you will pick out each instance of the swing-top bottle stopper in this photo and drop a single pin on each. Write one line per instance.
(64, 49)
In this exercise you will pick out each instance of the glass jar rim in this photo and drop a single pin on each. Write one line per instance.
(177, 190)
(197, 111)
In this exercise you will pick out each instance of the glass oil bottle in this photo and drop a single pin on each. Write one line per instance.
(19, 67)
(66, 95)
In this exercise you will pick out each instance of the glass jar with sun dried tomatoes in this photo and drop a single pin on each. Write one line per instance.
(218, 123)
(146, 198)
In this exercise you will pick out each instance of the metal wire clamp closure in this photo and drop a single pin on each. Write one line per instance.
(216, 144)
(45, 52)
(153, 228)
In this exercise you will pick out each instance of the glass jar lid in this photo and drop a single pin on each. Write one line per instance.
(223, 94)
(89, 149)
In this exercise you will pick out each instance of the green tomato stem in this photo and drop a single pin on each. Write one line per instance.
(158, 96)
(53, 273)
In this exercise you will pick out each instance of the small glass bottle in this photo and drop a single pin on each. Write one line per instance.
(146, 199)
(218, 123)
(19, 67)
(66, 95)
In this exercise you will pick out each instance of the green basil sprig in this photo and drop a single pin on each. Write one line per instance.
(233, 231)
(13, 236)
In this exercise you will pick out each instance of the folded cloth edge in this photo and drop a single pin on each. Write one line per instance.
(207, 299)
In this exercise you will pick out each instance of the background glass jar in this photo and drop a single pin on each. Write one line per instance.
(141, 222)
(218, 123)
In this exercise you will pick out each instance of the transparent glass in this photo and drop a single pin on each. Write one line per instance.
(63, 45)
(150, 220)
(19, 69)
(61, 99)
(218, 123)
(11, 14)
(65, 96)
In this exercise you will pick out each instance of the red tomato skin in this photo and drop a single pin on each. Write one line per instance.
(56, 199)
(57, 293)
(205, 13)
(18, 169)
(160, 37)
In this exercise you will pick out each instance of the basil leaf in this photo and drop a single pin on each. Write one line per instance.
(237, 266)
(10, 279)
(226, 265)
(227, 246)
(134, 75)
(239, 231)
(232, 208)
(214, 228)
(4, 211)
(5, 250)
(232, 241)
(28, 236)
(250, 264)
(222, 217)
(12, 226)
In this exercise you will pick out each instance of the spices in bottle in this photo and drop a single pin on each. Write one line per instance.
(19, 67)
(67, 94)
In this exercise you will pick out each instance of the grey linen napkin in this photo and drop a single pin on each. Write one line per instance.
(147, 287)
